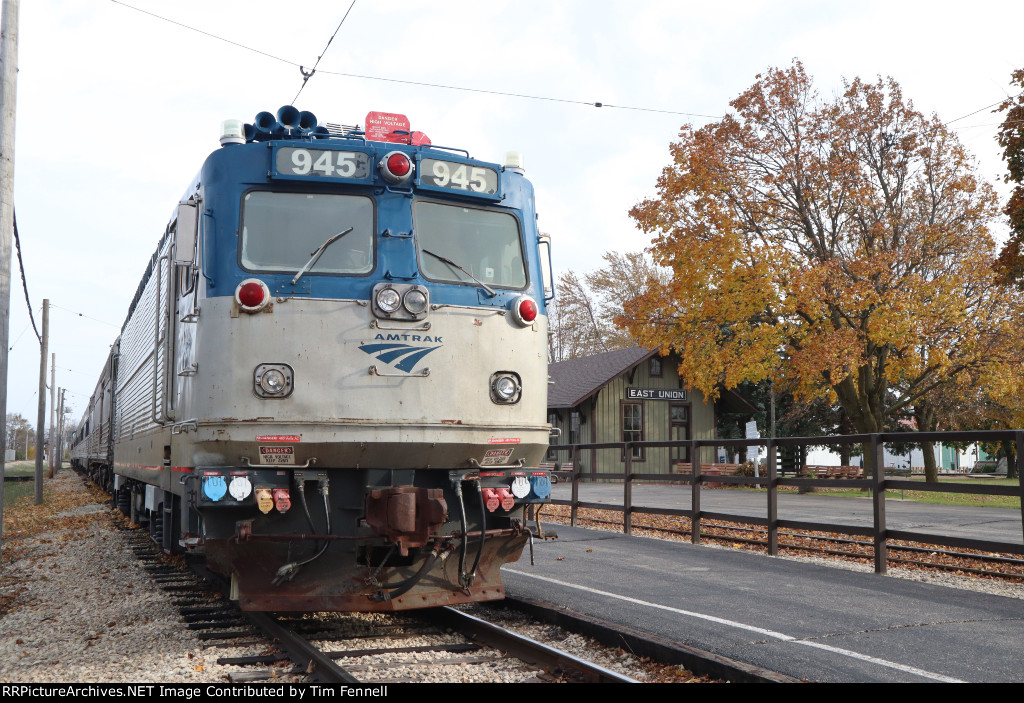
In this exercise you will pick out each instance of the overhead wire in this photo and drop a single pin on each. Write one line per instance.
(307, 75)
(23, 331)
(410, 82)
(982, 109)
(74, 312)
(461, 88)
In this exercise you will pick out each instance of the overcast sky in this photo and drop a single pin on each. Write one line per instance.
(117, 110)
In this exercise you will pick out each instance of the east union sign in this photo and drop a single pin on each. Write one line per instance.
(654, 394)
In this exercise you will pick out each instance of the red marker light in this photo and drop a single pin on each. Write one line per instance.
(396, 167)
(527, 310)
(250, 294)
(399, 164)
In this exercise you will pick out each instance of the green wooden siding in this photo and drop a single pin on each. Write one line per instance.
(601, 420)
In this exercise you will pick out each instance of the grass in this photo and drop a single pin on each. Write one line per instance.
(17, 489)
(933, 497)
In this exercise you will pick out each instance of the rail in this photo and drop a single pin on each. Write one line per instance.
(876, 483)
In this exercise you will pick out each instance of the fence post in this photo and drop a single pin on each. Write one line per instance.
(695, 493)
(627, 492)
(773, 498)
(1019, 443)
(878, 503)
(574, 503)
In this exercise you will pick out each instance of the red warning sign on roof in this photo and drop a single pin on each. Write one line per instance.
(382, 127)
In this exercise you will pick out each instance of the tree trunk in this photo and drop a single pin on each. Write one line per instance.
(931, 470)
(926, 422)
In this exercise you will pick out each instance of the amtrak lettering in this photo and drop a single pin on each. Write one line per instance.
(410, 338)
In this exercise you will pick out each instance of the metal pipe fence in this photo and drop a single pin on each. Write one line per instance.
(876, 484)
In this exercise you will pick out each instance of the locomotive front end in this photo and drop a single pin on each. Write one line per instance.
(357, 405)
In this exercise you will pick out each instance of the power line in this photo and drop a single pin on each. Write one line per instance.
(408, 82)
(15, 342)
(212, 36)
(306, 76)
(24, 283)
(73, 312)
(513, 95)
(982, 109)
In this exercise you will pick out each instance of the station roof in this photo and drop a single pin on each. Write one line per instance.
(576, 380)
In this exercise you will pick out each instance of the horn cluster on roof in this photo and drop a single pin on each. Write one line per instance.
(289, 123)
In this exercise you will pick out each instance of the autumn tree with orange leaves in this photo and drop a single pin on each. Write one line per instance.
(840, 246)
(1011, 138)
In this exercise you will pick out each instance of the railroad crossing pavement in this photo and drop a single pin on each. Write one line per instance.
(801, 619)
(997, 524)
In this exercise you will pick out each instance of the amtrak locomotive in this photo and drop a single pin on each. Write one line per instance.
(332, 381)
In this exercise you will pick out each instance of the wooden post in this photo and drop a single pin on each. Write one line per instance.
(1019, 443)
(878, 502)
(41, 416)
(53, 411)
(8, 103)
(574, 507)
(773, 498)
(695, 492)
(627, 492)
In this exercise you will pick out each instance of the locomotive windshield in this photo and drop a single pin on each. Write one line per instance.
(486, 243)
(281, 231)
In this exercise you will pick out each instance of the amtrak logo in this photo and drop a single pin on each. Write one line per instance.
(406, 355)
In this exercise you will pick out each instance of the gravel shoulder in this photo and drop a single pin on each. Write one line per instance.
(76, 606)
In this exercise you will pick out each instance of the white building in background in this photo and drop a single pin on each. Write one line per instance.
(948, 459)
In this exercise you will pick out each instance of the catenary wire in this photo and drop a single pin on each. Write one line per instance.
(75, 312)
(472, 90)
(23, 331)
(307, 75)
(409, 82)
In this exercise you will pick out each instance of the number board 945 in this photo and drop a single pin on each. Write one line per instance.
(448, 176)
(294, 162)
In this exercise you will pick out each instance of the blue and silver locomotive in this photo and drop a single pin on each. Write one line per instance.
(332, 380)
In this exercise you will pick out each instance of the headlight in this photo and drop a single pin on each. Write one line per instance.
(400, 302)
(506, 387)
(388, 299)
(415, 301)
(273, 380)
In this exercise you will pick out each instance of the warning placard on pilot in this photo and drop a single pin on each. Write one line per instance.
(493, 457)
(277, 455)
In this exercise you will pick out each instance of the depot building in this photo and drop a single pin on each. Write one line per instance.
(630, 395)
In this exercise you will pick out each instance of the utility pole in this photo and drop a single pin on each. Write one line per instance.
(8, 102)
(60, 429)
(53, 410)
(41, 416)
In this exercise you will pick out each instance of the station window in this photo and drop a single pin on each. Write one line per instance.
(633, 427)
(655, 367)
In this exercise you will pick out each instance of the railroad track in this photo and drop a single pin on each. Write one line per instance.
(440, 644)
(1003, 566)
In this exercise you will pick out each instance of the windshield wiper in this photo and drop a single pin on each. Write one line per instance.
(455, 265)
(316, 254)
